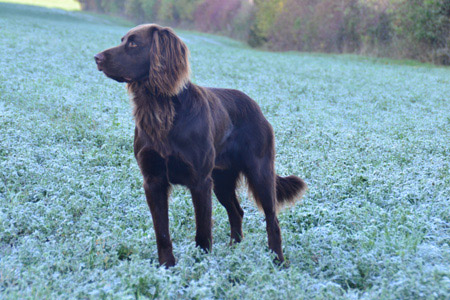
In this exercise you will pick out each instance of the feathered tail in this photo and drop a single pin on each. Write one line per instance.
(289, 189)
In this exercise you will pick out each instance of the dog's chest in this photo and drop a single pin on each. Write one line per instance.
(179, 171)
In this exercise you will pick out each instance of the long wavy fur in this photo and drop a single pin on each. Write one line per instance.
(168, 74)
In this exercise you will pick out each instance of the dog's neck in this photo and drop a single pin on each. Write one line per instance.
(153, 113)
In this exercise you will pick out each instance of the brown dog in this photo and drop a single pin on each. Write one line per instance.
(202, 138)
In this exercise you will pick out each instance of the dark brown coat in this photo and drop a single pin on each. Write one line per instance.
(202, 138)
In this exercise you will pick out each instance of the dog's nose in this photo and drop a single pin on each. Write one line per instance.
(99, 58)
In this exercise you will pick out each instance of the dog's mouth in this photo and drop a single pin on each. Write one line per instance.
(119, 79)
(116, 78)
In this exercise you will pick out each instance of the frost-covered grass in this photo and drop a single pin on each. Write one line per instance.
(371, 138)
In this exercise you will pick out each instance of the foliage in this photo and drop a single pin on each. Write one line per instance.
(369, 136)
(298, 26)
(426, 25)
(267, 12)
(417, 29)
(185, 9)
(229, 17)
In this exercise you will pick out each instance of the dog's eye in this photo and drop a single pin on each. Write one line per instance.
(132, 44)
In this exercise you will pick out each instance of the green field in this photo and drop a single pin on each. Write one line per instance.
(371, 138)
(62, 4)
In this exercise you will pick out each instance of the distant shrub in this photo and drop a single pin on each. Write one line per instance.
(185, 9)
(176, 11)
(241, 22)
(230, 17)
(134, 8)
(328, 26)
(91, 5)
(418, 29)
(113, 6)
(166, 10)
(267, 12)
(422, 28)
(216, 15)
(148, 8)
(375, 27)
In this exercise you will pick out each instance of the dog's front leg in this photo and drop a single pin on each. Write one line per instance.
(156, 192)
(156, 186)
(201, 197)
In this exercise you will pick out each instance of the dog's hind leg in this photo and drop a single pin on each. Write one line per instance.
(224, 188)
(261, 179)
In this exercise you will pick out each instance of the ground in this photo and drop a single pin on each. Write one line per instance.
(369, 136)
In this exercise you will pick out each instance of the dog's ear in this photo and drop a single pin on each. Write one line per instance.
(169, 64)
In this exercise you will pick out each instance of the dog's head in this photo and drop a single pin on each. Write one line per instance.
(151, 54)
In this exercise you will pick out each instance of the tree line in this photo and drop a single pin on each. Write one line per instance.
(412, 29)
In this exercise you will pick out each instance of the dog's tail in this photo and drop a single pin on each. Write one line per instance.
(289, 189)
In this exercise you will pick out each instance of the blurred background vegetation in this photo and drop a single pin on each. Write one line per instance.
(412, 29)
